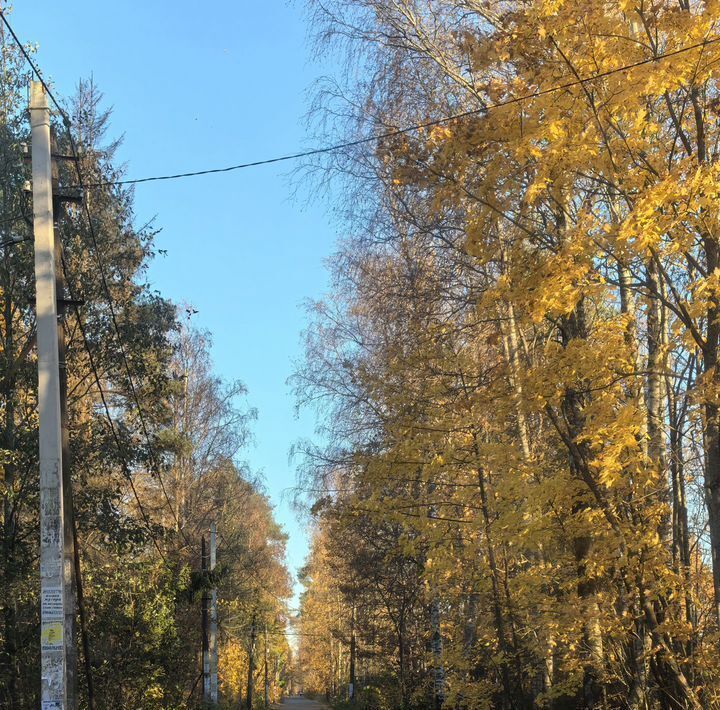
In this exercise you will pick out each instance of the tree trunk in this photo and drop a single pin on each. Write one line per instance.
(712, 429)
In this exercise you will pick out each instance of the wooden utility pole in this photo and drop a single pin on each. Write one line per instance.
(213, 645)
(53, 649)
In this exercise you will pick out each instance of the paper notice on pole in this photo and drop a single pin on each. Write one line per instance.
(52, 603)
(52, 568)
(52, 705)
(51, 635)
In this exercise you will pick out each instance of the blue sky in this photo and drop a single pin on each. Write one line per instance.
(202, 85)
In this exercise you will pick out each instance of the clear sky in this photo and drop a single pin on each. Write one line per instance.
(195, 85)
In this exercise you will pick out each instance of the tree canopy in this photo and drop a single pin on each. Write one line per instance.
(516, 490)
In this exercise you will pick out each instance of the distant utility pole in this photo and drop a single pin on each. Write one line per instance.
(353, 644)
(53, 649)
(267, 682)
(436, 640)
(209, 630)
(436, 643)
(251, 664)
(205, 635)
(213, 645)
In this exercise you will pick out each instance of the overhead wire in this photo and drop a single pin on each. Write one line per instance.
(581, 81)
(578, 81)
(13, 242)
(32, 64)
(409, 129)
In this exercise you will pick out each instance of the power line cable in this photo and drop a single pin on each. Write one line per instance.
(33, 66)
(410, 129)
(11, 220)
(192, 690)
(580, 81)
(276, 632)
(14, 242)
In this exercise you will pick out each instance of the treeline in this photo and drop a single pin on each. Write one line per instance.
(517, 487)
(155, 459)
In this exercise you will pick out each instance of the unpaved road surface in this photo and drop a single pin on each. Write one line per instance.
(300, 704)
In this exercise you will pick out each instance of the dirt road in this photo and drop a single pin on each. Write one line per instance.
(296, 703)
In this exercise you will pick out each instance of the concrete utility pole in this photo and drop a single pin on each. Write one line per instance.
(267, 681)
(436, 640)
(251, 664)
(437, 650)
(209, 630)
(353, 645)
(205, 635)
(213, 645)
(52, 578)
